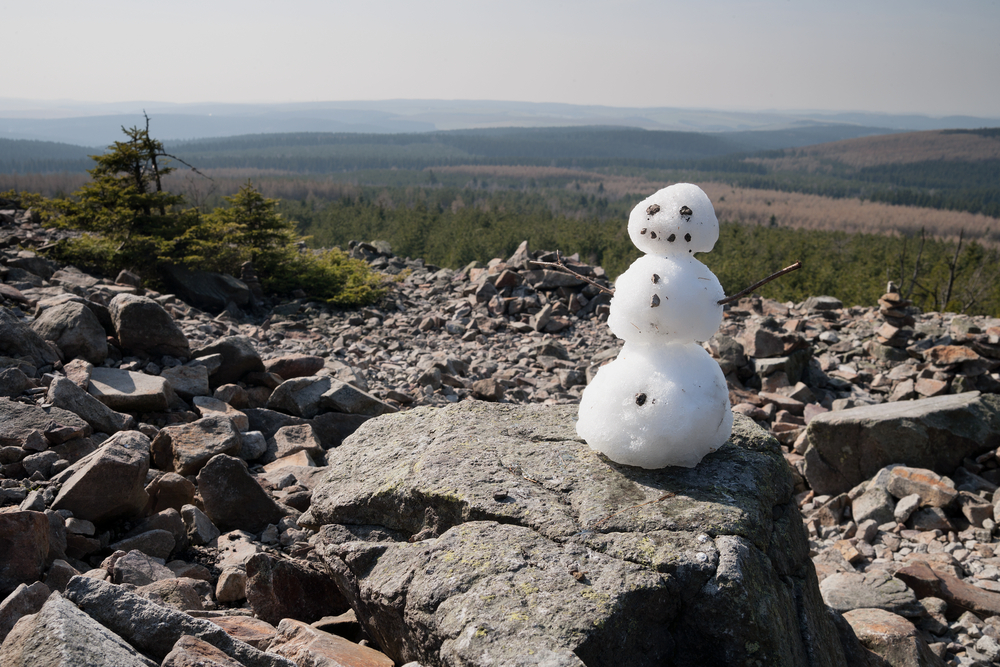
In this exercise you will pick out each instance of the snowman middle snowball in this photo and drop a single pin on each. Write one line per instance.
(664, 400)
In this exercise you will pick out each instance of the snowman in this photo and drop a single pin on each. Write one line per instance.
(663, 401)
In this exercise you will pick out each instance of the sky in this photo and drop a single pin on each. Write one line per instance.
(892, 56)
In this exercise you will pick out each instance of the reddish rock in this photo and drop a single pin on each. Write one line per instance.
(933, 489)
(960, 596)
(248, 629)
(192, 652)
(306, 645)
(930, 387)
(294, 366)
(892, 637)
(278, 589)
(946, 355)
(185, 449)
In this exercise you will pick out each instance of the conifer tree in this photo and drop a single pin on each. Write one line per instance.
(125, 202)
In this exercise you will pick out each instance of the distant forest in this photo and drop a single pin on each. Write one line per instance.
(732, 158)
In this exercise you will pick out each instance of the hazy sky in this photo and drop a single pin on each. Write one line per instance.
(896, 56)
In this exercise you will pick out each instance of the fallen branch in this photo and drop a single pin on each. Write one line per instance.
(559, 266)
(788, 269)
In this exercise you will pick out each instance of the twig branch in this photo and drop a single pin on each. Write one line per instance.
(559, 266)
(788, 269)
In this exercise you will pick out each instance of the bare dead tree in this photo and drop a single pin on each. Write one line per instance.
(952, 267)
(916, 265)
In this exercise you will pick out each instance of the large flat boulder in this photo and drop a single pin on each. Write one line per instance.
(846, 447)
(126, 391)
(484, 532)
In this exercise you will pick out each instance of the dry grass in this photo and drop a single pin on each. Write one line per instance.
(888, 149)
(804, 211)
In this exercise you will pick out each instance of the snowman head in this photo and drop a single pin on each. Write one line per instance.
(677, 220)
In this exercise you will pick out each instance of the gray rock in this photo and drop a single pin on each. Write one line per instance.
(905, 508)
(75, 330)
(239, 357)
(108, 483)
(136, 568)
(156, 543)
(60, 635)
(17, 339)
(200, 529)
(154, 629)
(181, 593)
(187, 381)
(20, 422)
(875, 504)
(126, 391)
(849, 446)
(25, 540)
(208, 406)
(23, 601)
(822, 303)
(233, 500)
(205, 289)
(64, 393)
(254, 445)
(332, 427)
(931, 518)
(309, 396)
(143, 326)
(186, 448)
(292, 439)
(13, 381)
(845, 591)
(546, 546)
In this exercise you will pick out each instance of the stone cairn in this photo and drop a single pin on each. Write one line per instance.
(206, 430)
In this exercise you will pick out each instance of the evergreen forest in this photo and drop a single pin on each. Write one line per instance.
(458, 197)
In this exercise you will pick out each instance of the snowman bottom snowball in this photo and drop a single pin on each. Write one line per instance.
(656, 406)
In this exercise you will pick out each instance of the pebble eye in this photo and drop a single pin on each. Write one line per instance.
(672, 238)
(643, 231)
(686, 212)
(652, 235)
(656, 278)
(687, 237)
(653, 209)
(655, 301)
(640, 399)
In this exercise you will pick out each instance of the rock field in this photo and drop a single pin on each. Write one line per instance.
(174, 490)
